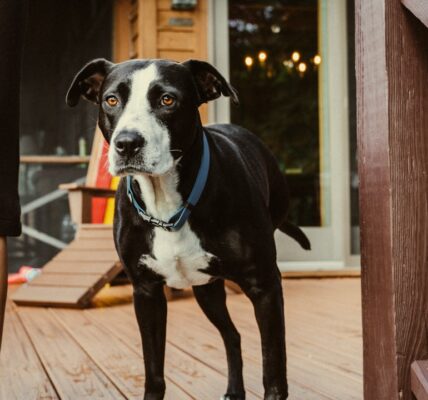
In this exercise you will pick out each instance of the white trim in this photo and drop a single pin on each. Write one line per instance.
(324, 115)
(353, 261)
(211, 52)
(219, 110)
(337, 81)
(311, 265)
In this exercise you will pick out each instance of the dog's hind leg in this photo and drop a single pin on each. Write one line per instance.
(212, 299)
(266, 296)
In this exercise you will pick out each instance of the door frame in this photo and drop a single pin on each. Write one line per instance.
(334, 253)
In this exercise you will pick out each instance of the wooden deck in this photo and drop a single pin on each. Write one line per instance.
(96, 353)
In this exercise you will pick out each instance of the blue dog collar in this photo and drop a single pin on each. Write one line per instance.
(182, 214)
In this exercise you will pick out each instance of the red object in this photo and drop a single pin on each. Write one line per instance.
(99, 204)
(25, 274)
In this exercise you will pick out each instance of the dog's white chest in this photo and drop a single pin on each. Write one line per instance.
(179, 257)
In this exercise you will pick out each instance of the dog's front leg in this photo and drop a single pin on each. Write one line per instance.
(151, 310)
(268, 303)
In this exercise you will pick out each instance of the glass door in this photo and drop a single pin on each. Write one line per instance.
(288, 61)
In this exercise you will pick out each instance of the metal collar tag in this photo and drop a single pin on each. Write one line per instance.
(182, 214)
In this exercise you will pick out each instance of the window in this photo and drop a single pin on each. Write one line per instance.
(274, 65)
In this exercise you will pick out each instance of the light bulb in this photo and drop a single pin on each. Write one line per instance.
(249, 61)
(275, 28)
(302, 67)
(295, 56)
(262, 56)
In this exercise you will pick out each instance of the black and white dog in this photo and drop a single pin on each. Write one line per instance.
(196, 205)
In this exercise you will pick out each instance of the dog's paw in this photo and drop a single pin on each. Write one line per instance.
(228, 396)
(276, 396)
(153, 396)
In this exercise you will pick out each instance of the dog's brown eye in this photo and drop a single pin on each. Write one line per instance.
(112, 101)
(167, 100)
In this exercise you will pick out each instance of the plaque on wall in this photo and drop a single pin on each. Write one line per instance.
(176, 21)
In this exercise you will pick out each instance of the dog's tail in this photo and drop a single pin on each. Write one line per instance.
(296, 233)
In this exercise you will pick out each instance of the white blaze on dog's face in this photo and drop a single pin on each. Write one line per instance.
(148, 109)
(138, 118)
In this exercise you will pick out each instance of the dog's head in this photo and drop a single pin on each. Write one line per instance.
(148, 109)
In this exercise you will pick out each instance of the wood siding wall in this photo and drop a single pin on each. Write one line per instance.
(143, 29)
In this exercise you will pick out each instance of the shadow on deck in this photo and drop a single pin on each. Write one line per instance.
(96, 353)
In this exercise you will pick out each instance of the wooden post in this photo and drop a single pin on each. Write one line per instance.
(392, 101)
(3, 282)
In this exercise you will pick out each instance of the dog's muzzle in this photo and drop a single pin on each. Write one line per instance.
(128, 144)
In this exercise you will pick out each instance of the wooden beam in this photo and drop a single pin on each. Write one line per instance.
(3, 282)
(147, 27)
(37, 159)
(375, 203)
(96, 153)
(391, 66)
(122, 30)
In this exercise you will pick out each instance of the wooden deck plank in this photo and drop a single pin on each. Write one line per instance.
(92, 244)
(323, 324)
(198, 380)
(123, 366)
(47, 295)
(307, 357)
(87, 256)
(78, 267)
(300, 332)
(73, 373)
(207, 347)
(94, 231)
(300, 329)
(332, 367)
(302, 362)
(21, 374)
(334, 273)
(69, 280)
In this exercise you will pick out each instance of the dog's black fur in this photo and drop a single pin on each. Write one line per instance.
(245, 200)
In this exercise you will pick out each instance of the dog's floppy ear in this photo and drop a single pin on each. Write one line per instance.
(210, 83)
(87, 83)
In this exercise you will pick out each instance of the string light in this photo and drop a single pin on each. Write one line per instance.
(295, 56)
(317, 59)
(288, 64)
(249, 61)
(275, 28)
(302, 67)
(262, 56)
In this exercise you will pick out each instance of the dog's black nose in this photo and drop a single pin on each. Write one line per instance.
(128, 143)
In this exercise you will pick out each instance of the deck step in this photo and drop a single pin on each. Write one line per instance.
(419, 379)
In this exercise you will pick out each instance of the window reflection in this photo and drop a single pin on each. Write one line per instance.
(274, 64)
